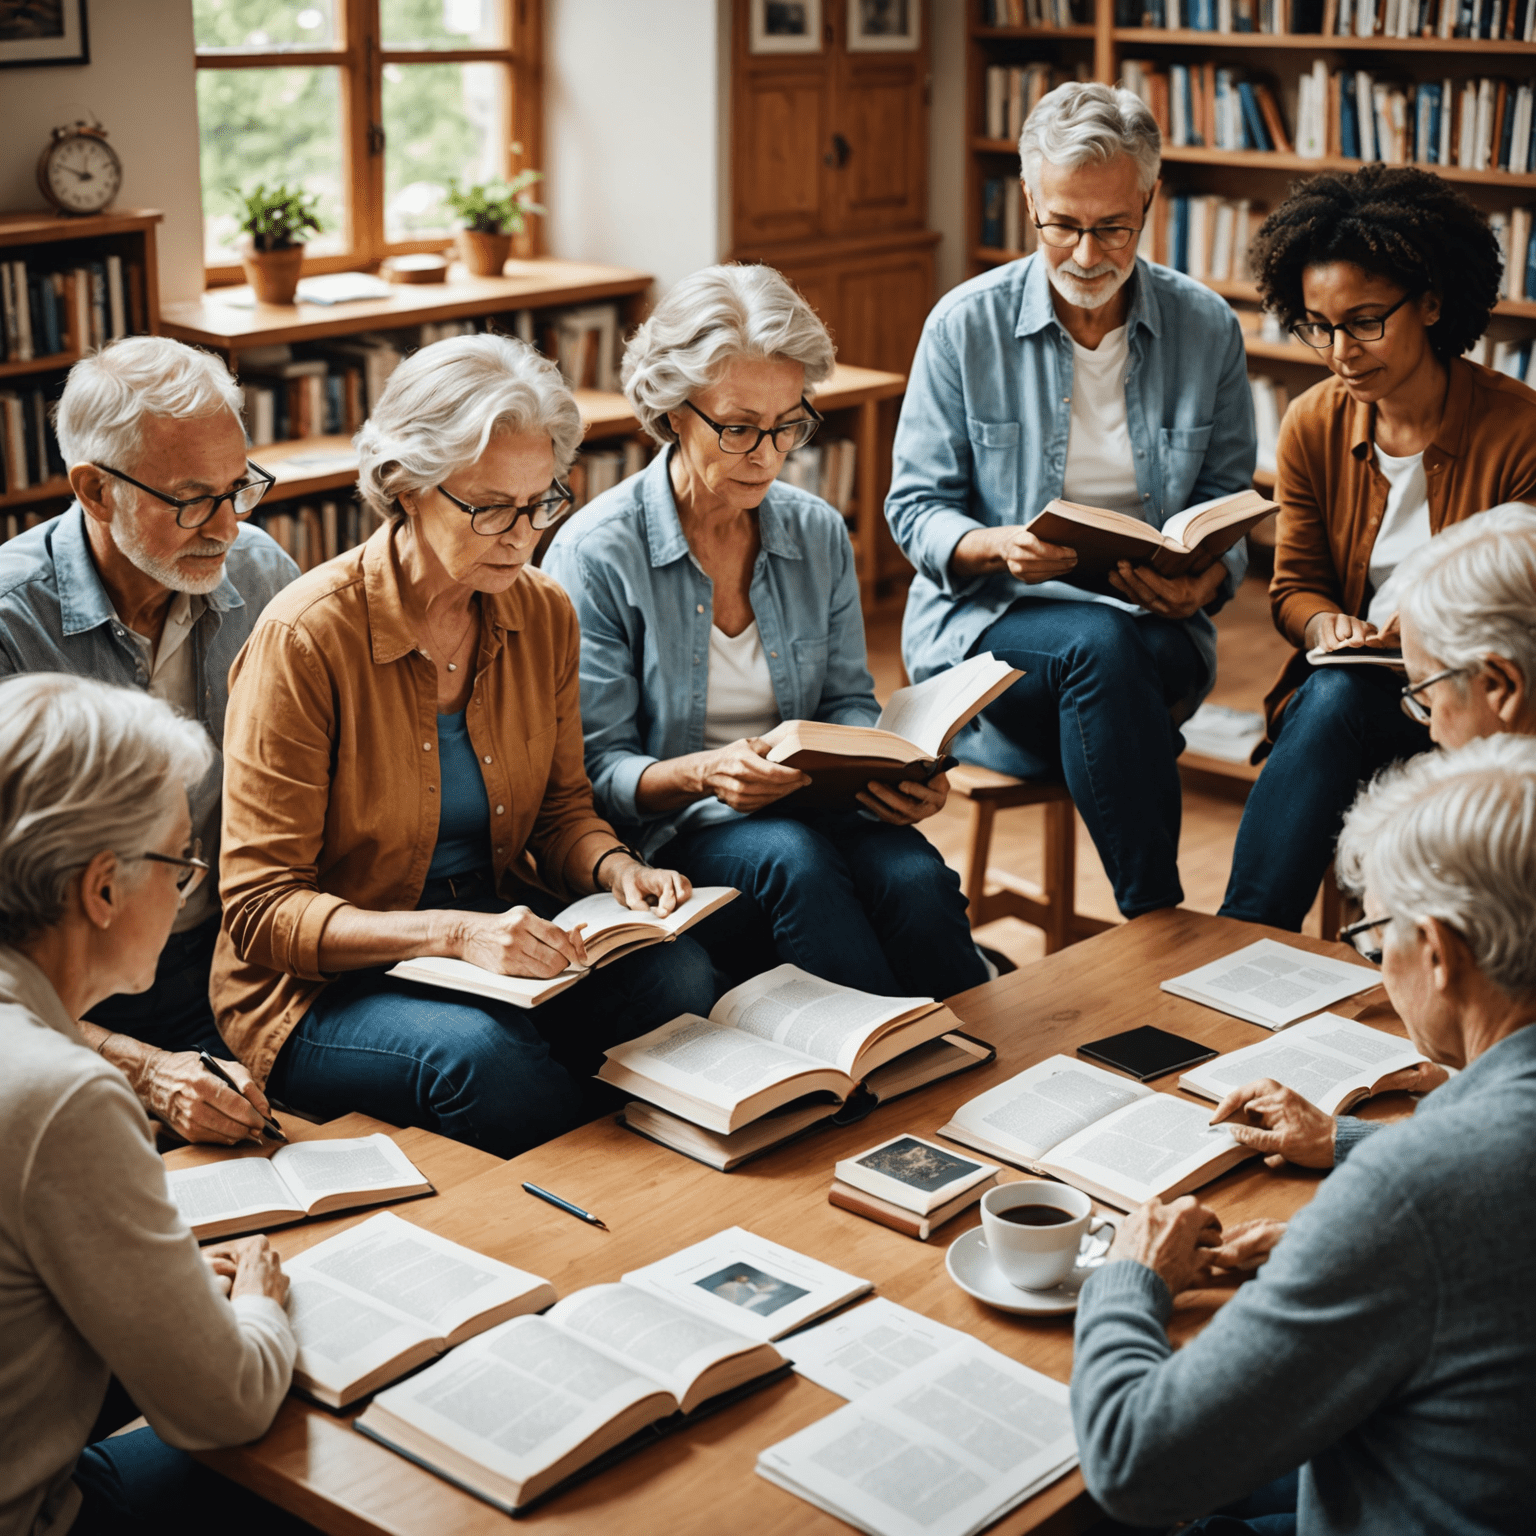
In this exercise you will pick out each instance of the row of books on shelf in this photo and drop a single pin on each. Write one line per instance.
(29, 452)
(600, 469)
(1003, 222)
(825, 469)
(47, 311)
(1271, 400)
(1202, 104)
(1222, 15)
(1037, 13)
(314, 532)
(1013, 90)
(1205, 236)
(1495, 20)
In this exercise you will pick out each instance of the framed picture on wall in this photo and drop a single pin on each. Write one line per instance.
(781, 26)
(34, 32)
(884, 26)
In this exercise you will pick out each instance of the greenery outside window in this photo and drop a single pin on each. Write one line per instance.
(373, 105)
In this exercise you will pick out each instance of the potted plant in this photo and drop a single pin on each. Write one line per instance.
(490, 214)
(277, 220)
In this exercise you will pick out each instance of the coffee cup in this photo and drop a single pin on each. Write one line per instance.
(1034, 1231)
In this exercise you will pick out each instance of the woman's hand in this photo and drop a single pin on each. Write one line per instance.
(905, 803)
(641, 888)
(1174, 1241)
(258, 1270)
(1338, 632)
(1279, 1123)
(176, 1087)
(739, 775)
(1170, 597)
(518, 943)
(1246, 1246)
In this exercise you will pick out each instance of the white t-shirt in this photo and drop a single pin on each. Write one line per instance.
(1101, 464)
(741, 700)
(1404, 527)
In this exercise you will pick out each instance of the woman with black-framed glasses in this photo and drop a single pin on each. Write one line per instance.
(1389, 275)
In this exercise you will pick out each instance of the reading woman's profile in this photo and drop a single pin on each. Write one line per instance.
(752, 1289)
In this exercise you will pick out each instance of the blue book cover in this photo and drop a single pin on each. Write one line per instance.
(992, 213)
(1349, 126)
(1507, 133)
(1195, 136)
(1179, 256)
(1431, 150)
(1255, 131)
(1530, 269)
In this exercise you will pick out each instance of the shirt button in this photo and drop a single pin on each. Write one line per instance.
(500, 809)
(1066, 399)
(701, 608)
(426, 746)
(487, 759)
(774, 654)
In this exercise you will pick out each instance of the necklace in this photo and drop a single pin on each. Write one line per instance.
(470, 628)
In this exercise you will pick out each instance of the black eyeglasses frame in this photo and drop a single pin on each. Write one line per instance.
(1414, 707)
(265, 479)
(814, 421)
(197, 868)
(1378, 320)
(534, 511)
(1348, 936)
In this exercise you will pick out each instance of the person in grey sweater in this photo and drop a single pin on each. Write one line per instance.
(99, 1275)
(1387, 1348)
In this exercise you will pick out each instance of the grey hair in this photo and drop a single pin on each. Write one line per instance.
(84, 767)
(1470, 592)
(100, 416)
(708, 320)
(1452, 835)
(1084, 122)
(442, 406)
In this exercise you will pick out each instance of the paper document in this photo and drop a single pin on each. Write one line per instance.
(1273, 984)
(867, 1347)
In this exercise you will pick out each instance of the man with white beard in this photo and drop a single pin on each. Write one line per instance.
(153, 580)
(1083, 372)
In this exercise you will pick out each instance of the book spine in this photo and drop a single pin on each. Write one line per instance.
(908, 1226)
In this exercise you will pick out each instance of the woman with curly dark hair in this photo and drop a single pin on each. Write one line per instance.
(1390, 275)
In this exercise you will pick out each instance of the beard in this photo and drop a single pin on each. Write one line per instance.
(128, 535)
(1069, 281)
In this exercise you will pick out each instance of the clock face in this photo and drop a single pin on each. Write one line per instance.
(82, 174)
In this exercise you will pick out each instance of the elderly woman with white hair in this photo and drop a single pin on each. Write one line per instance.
(716, 602)
(1388, 1347)
(403, 778)
(100, 1277)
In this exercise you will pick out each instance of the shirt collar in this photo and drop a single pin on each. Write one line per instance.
(22, 982)
(664, 529)
(1449, 436)
(1036, 309)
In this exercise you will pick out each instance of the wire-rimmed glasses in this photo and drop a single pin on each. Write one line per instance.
(195, 869)
(501, 517)
(194, 511)
(742, 438)
(1413, 706)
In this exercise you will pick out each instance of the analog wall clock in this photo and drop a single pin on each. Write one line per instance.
(78, 171)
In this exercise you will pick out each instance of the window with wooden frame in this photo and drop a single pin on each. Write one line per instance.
(372, 105)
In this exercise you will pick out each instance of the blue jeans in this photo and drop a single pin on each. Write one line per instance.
(174, 1014)
(486, 1073)
(849, 899)
(1342, 725)
(1267, 1511)
(1093, 708)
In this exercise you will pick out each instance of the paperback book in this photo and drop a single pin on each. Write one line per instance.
(909, 1184)
(1273, 984)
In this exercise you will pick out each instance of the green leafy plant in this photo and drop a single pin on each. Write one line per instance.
(493, 207)
(278, 217)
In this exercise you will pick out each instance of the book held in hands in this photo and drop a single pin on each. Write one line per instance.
(1273, 984)
(909, 1184)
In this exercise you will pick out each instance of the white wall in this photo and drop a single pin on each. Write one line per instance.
(139, 83)
(946, 141)
(634, 108)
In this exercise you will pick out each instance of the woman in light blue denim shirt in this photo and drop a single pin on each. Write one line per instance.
(714, 603)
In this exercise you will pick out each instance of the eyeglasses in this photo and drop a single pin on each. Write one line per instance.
(745, 439)
(1108, 237)
(503, 517)
(1356, 934)
(196, 868)
(193, 512)
(1413, 706)
(1318, 335)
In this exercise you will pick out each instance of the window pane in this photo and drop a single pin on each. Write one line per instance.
(440, 121)
(264, 23)
(443, 23)
(270, 125)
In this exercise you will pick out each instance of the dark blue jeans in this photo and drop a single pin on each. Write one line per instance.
(1342, 725)
(486, 1073)
(1093, 708)
(174, 1014)
(851, 900)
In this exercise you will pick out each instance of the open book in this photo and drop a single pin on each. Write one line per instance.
(1119, 1141)
(1190, 542)
(1389, 656)
(1332, 1061)
(611, 931)
(383, 1297)
(305, 1178)
(1273, 984)
(908, 742)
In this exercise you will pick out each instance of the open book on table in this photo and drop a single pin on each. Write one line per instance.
(1115, 1139)
(303, 1179)
(1331, 1061)
(611, 932)
(908, 742)
(1273, 984)
(1188, 543)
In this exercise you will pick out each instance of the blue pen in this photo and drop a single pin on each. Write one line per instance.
(565, 1205)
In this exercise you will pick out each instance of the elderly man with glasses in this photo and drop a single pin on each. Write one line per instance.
(1084, 372)
(152, 579)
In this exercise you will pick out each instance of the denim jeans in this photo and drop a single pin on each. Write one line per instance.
(1093, 708)
(174, 1014)
(849, 899)
(1342, 725)
(486, 1073)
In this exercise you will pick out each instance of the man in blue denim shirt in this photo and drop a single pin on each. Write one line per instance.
(1086, 373)
(150, 581)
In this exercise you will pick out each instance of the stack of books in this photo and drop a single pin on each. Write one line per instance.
(909, 1184)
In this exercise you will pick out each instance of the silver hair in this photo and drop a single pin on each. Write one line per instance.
(100, 416)
(84, 767)
(1084, 122)
(442, 406)
(1452, 835)
(1470, 592)
(707, 321)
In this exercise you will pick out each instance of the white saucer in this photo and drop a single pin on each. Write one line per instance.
(970, 1266)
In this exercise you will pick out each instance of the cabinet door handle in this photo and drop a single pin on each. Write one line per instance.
(841, 150)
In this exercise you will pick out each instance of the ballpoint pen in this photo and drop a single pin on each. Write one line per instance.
(274, 1130)
(565, 1205)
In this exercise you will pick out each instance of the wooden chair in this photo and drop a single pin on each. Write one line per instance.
(1051, 908)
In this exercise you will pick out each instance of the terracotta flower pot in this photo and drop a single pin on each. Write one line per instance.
(274, 275)
(484, 255)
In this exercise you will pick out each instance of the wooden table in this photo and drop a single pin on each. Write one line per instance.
(656, 1202)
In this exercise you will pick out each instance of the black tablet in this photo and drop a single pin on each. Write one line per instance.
(1146, 1053)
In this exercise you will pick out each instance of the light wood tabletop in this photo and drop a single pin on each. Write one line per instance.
(656, 1202)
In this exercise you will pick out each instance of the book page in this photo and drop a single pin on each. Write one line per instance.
(341, 1338)
(804, 1013)
(928, 713)
(218, 1191)
(942, 1450)
(603, 915)
(315, 1169)
(857, 1351)
(461, 976)
(1273, 984)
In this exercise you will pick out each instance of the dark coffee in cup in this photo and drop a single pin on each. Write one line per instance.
(1036, 1215)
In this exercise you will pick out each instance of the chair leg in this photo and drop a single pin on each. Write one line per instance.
(1060, 873)
(982, 815)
